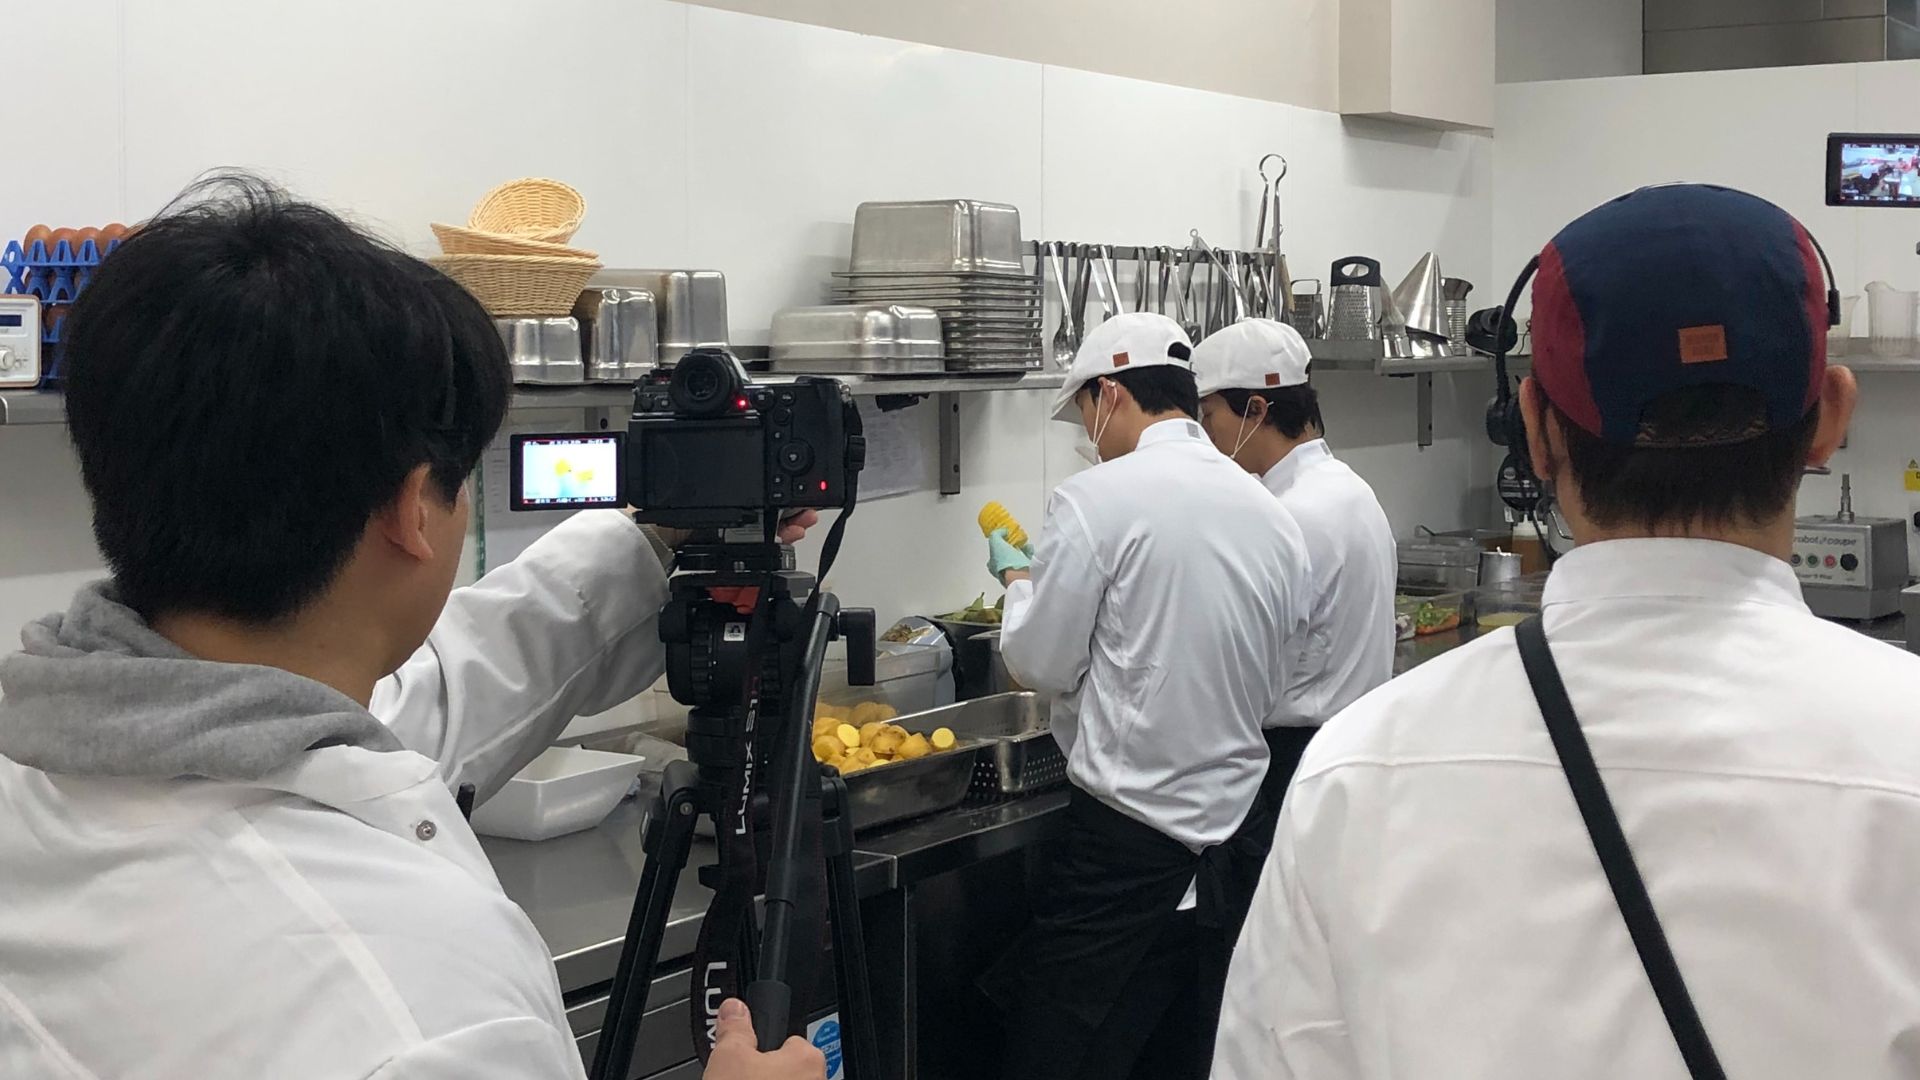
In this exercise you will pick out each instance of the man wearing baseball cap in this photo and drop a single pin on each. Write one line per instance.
(1259, 409)
(1673, 827)
(1157, 611)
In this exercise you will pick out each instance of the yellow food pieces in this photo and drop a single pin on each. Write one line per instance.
(876, 742)
(826, 748)
(995, 516)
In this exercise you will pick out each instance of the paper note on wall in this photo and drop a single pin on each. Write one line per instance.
(897, 441)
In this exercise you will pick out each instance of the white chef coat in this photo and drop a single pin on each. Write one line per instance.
(337, 918)
(1166, 584)
(1347, 649)
(1433, 907)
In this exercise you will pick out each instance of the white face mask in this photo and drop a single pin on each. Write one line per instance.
(1089, 446)
(1241, 436)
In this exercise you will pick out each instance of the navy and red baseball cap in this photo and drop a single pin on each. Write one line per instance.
(1678, 286)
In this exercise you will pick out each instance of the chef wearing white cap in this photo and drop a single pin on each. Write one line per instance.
(1158, 610)
(1259, 409)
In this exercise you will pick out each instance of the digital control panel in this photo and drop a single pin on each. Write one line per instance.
(19, 341)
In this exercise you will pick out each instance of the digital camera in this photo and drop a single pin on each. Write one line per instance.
(705, 448)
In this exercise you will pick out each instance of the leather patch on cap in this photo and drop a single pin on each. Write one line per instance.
(1703, 344)
(1121, 359)
(1273, 378)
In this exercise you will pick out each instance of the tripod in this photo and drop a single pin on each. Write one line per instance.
(745, 656)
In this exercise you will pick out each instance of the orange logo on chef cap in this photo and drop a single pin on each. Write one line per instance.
(1121, 359)
(1273, 378)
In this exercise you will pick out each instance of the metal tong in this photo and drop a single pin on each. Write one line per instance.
(1276, 285)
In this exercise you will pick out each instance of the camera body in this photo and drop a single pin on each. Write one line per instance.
(705, 448)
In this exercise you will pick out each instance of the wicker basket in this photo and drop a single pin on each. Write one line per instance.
(534, 208)
(519, 285)
(459, 240)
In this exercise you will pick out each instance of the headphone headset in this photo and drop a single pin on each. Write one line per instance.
(1492, 331)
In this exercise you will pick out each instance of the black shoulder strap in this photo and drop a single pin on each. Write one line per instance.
(1616, 858)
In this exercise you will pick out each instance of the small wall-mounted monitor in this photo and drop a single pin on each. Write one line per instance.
(1873, 170)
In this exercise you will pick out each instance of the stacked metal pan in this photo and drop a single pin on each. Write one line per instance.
(963, 259)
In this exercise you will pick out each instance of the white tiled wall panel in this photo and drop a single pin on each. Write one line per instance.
(710, 138)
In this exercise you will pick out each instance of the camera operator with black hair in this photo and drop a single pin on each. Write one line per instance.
(1671, 827)
(1157, 610)
(231, 845)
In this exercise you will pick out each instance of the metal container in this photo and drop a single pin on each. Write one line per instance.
(1910, 608)
(896, 791)
(1356, 299)
(619, 330)
(1439, 562)
(1307, 311)
(543, 351)
(937, 237)
(692, 305)
(1018, 753)
(1499, 566)
(1454, 293)
(867, 331)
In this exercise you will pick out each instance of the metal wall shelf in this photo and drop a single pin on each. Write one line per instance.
(32, 407)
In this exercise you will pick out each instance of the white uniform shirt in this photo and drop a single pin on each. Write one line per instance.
(336, 918)
(1159, 603)
(1433, 908)
(1347, 649)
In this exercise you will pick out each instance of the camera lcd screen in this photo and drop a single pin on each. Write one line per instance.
(695, 465)
(1873, 170)
(566, 472)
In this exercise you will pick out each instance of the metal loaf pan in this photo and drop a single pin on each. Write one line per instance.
(543, 351)
(620, 330)
(692, 306)
(866, 331)
(940, 236)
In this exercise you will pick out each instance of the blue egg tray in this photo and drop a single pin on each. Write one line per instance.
(56, 276)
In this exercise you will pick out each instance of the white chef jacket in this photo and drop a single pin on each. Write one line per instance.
(1433, 907)
(1166, 584)
(1347, 649)
(337, 918)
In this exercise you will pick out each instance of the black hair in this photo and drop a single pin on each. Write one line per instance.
(1161, 388)
(1709, 467)
(249, 379)
(1290, 409)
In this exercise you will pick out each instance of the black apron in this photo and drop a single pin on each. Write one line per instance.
(1109, 980)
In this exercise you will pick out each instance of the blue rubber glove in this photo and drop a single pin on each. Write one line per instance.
(1002, 556)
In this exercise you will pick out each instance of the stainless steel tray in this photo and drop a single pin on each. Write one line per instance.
(868, 331)
(1019, 754)
(861, 365)
(936, 237)
(900, 790)
(888, 277)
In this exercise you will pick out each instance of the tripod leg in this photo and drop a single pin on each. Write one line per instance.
(858, 1046)
(668, 839)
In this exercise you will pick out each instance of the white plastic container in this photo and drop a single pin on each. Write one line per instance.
(564, 790)
(1890, 319)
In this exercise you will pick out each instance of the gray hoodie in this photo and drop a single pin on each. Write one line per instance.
(96, 692)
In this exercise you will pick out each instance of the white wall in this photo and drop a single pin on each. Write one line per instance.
(705, 137)
(1565, 147)
(1566, 39)
(1274, 50)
